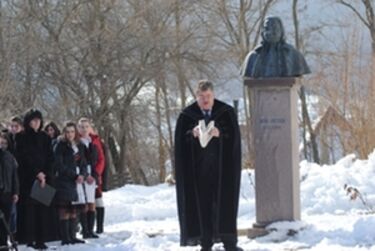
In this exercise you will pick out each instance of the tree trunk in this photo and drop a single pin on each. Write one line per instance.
(162, 171)
(306, 122)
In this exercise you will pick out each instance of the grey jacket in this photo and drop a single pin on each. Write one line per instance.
(9, 183)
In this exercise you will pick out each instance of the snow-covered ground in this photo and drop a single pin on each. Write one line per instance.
(142, 218)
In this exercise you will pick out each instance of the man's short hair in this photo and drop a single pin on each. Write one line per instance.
(204, 85)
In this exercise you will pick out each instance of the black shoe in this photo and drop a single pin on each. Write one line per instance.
(231, 245)
(41, 246)
(89, 236)
(99, 220)
(30, 245)
(93, 236)
(206, 249)
(72, 232)
(78, 241)
(233, 249)
(64, 243)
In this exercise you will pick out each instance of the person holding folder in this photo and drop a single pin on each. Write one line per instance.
(35, 158)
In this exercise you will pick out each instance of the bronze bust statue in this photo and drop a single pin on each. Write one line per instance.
(274, 57)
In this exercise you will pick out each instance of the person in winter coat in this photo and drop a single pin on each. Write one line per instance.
(101, 173)
(95, 167)
(35, 158)
(70, 165)
(9, 188)
(6, 143)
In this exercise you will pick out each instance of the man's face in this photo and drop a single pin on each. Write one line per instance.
(272, 31)
(35, 124)
(15, 127)
(205, 99)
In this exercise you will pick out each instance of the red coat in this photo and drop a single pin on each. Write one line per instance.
(100, 164)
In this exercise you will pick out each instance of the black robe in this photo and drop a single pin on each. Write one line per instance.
(34, 154)
(187, 148)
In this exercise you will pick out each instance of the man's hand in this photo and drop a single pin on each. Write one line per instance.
(43, 183)
(90, 179)
(215, 132)
(42, 179)
(15, 198)
(79, 179)
(196, 131)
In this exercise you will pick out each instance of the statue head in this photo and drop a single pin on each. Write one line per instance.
(273, 30)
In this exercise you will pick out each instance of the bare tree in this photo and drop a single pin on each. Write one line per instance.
(306, 121)
(365, 13)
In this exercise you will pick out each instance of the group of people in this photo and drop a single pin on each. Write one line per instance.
(71, 161)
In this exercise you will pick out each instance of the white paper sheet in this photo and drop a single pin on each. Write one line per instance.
(204, 132)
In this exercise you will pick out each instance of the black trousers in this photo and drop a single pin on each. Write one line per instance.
(6, 208)
(207, 177)
(36, 222)
(207, 202)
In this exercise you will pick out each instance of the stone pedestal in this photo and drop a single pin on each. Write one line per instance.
(274, 114)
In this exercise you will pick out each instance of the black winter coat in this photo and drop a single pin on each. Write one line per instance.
(12, 143)
(66, 163)
(9, 183)
(34, 155)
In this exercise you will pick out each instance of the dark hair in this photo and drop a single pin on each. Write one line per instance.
(71, 124)
(204, 85)
(3, 127)
(29, 116)
(5, 136)
(55, 128)
(17, 120)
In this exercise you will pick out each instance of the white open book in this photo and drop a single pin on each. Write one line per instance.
(204, 132)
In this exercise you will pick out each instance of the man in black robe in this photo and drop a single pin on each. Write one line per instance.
(208, 179)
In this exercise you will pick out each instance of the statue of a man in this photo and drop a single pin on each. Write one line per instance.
(274, 57)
